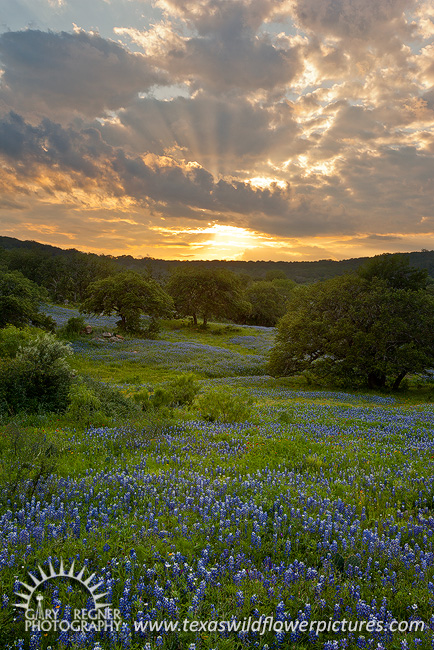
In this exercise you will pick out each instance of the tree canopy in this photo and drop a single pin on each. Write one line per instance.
(19, 301)
(358, 329)
(66, 276)
(129, 295)
(207, 293)
(267, 304)
(395, 270)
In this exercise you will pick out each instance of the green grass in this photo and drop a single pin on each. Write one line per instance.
(305, 462)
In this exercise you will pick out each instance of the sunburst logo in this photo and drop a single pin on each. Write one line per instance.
(101, 617)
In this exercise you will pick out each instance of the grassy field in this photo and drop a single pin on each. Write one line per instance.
(319, 506)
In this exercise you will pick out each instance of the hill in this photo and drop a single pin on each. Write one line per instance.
(301, 272)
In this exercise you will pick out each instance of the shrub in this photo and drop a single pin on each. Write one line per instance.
(225, 405)
(26, 458)
(83, 404)
(12, 338)
(45, 322)
(152, 330)
(73, 326)
(177, 392)
(38, 379)
(183, 389)
(112, 402)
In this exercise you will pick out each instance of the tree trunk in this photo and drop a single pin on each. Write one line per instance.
(194, 318)
(398, 380)
(205, 320)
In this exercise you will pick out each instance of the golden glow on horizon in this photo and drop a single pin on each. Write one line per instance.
(226, 242)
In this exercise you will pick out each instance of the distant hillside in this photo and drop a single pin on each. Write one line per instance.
(301, 272)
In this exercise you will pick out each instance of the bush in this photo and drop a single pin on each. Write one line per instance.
(84, 405)
(38, 378)
(73, 326)
(225, 405)
(26, 458)
(112, 402)
(183, 389)
(152, 330)
(177, 392)
(12, 338)
(44, 322)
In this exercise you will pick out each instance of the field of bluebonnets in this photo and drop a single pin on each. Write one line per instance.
(317, 506)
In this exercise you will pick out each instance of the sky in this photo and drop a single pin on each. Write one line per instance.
(218, 129)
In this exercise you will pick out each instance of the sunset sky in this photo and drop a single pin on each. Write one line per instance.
(212, 129)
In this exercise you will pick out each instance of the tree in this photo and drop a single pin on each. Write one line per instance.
(275, 274)
(65, 275)
(267, 304)
(356, 331)
(38, 378)
(207, 293)
(129, 295)
(395, 270)
(19, 301)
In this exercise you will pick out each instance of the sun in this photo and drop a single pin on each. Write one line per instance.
(224, 242)
(265, 182)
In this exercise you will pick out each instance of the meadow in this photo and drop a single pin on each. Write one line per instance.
(317, 506)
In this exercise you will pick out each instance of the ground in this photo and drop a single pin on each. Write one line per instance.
(317, 507)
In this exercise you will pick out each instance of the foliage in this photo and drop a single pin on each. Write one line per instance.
(74, 326)
(12, 338)
(177, 392)
(224, 405)
(26, 459)
(84, 406)
(64, 274)
(284, 288)
(183, 389)
(19, 300)
(275, 274)
(207, 293)
(152, 330)
(112, 402)
(267, 304)
(129, 295)
(38, 378)
(357, 332)
(396, 272)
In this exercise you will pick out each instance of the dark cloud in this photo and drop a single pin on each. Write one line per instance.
(180, 189)
(51, 145)
(240, 62)
(221, 134)
(224, 18)
(224, 49)
(328, 113)
(363, 20)
(46, 71)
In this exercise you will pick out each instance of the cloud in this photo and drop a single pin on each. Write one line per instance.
(226, 18)
(222, 135)
(47, 72)
(88, 162)
(369, 21)
(223, 50)
(298, 119)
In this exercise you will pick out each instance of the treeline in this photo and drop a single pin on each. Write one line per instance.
(101, 286)
(33, 257)
(370, 327)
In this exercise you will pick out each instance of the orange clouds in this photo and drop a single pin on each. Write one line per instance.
(172, 127)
